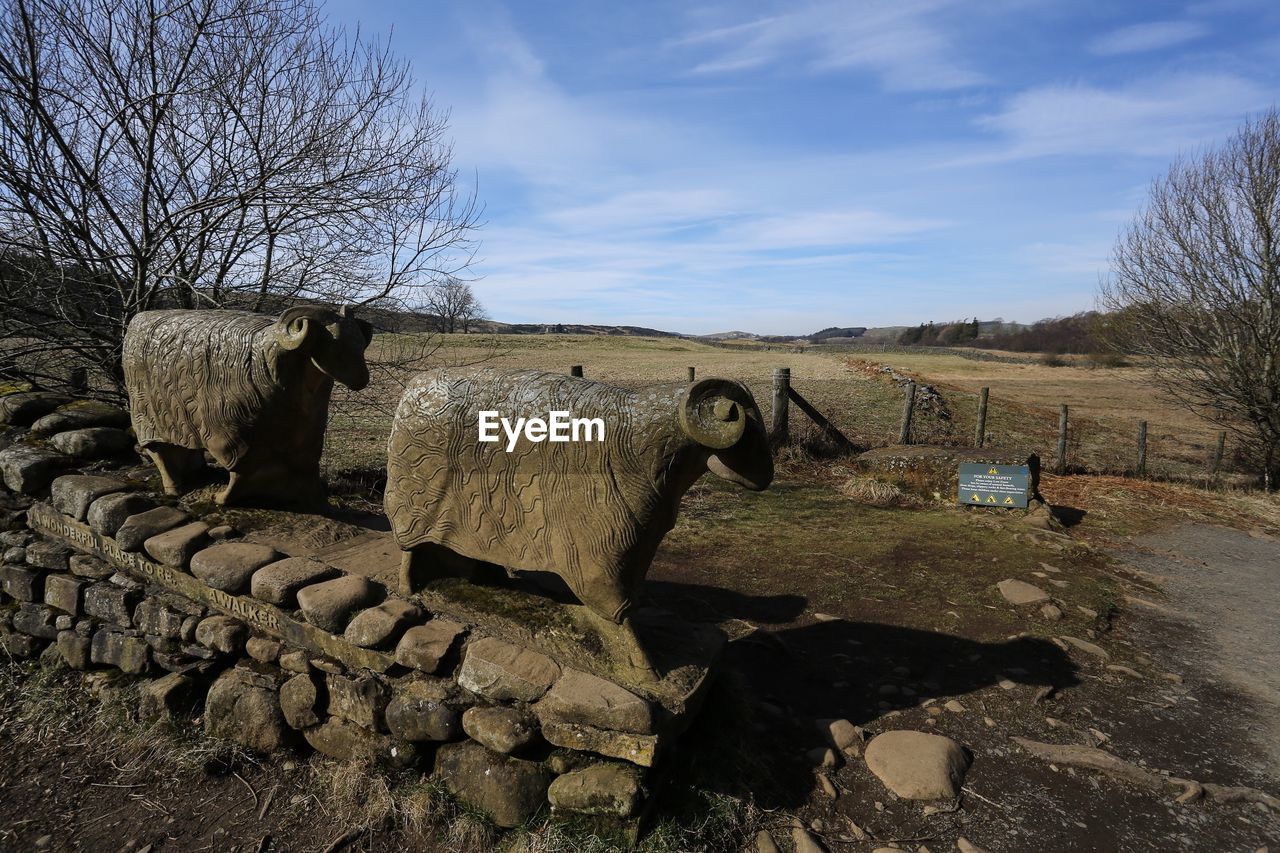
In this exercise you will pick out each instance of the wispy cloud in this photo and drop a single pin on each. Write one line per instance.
(1156, 35)
(904, 42)
(1154, 117)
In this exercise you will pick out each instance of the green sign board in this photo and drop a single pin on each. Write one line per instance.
(983, 484)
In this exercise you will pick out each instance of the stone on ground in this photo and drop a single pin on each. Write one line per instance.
(599, 789)
(842, 735)
(765, 842)
(263, 649)
(804, 842)
(1051, 612)
(917, 765)
(638, 749)
(329, 605)
(107, 513)
(86, 566)
(92, 442)
(382, 625)
(278, 583)
(419, 713)
(508, 789)
(1086, 646)
(72, 494)
(243, 707)
(503, 671)
(423, 647)
(137, 529)
(111, 603)
(1021, 593)
(65, 592)
(503, 730)
(229, 566)
(578, 697)
(964, 845)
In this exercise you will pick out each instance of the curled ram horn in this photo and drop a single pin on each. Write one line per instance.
(293, 326)
(712, 415)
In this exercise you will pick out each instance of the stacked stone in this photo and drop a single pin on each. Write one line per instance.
(506, 727)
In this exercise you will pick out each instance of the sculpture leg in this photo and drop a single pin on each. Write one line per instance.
(624, 647)
(178, 466)
(427, 562)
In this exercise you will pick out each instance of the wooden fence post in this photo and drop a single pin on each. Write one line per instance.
(781, 399)
(1217, 454)
(692, 374)
(1142, 448)
(980, 433)
(1062, 440)
(576, 370)
(904, 434)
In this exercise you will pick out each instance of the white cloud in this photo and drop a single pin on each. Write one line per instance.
(904, 42)
(1155, 117)
(1139, 38)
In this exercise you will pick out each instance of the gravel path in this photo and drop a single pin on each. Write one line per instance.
(1225, 584)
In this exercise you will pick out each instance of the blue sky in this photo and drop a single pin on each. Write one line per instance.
(784, 167)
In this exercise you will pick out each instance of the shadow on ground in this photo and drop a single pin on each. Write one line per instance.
(759, 722)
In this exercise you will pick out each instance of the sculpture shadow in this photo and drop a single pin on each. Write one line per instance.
(775, 684)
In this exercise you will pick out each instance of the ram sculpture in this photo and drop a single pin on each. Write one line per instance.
(250, 389)
(592, 512)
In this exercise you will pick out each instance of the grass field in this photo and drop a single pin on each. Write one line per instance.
(1105, 403)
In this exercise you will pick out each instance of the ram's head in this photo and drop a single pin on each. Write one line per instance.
(334, 341)
(722, 416)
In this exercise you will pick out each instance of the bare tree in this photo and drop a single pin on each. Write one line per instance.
(1196, 286)
(454, 304)
(206, 153)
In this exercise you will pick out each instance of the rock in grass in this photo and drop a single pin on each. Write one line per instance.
(1021, 593)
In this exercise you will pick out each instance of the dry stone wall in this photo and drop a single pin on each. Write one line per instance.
(287, 652)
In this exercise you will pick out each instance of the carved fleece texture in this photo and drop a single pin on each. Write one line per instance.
(200, 379)
(591, 512)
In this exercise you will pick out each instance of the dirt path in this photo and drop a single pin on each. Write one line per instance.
(1222, 588)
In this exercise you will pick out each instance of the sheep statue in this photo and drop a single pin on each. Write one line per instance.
(251, 389)
(591, 512)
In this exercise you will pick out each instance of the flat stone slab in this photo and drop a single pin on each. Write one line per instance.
(503, 671)
(108, 513)
(81, 415)
(380, 626)
(917, 765)
(1021, 593)
(278, 583)
(578, 697)
(29, 470)
(638, 749)
(330, 604)
(423, 647)
(72, 494)
(92, 442)
(684, 653)
(137, 529)
(176, 547)
(229, 566)
(23, 408)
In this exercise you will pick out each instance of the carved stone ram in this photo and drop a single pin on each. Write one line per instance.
(251, 389)
(591, 512)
